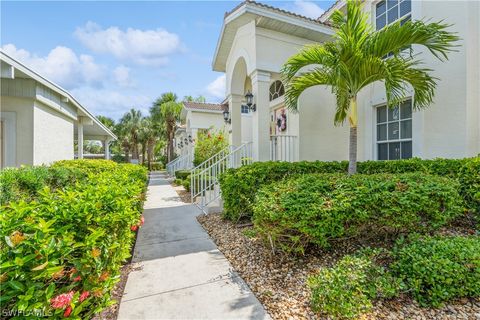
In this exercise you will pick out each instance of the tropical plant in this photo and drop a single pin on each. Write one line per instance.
(208, 144)
(358, 56)
(167, 110)
(127, 130)
(149, 134)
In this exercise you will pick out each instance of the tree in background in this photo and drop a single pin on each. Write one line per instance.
(200, 99)
(130, 125)
(150, 134)
(166, 110)
(359, 56)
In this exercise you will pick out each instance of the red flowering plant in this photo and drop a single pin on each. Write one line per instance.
(62, 249)
(208, 144)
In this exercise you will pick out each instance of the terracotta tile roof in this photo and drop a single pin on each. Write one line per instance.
(274, 9)
(204, 106)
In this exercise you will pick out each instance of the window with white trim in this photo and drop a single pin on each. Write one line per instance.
(276, 90)
(394, 132)
(390, 11)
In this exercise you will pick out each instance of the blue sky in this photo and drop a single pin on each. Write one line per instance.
(115, 55)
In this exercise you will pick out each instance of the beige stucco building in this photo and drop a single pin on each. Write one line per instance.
(257, 39)
(197, 117)
(40, 120)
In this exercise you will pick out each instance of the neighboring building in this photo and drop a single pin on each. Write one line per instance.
(257, 39)
(40, 120)
(199, 117)
(181, 143)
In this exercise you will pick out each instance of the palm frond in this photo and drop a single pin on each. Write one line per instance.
(323, 55)
(294, 87)
(396, 37)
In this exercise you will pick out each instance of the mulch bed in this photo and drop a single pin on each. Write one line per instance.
(279, 281)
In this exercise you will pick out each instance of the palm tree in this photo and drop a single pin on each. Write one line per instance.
(357, 57)
(150, 134)
(166, 109)
(131, 121)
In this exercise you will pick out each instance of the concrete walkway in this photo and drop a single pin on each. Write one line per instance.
(183, 275)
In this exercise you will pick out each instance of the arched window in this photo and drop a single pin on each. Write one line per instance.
(276, 90)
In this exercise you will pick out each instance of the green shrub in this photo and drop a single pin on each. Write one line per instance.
(70, 241)
(469, 179)
(26, 182)
(317, 208)
(156, 166)
(438, 269)
(443, 167)
(182, 174)
(186, 183)
(207, 145)
(346, 290)
(239, 186)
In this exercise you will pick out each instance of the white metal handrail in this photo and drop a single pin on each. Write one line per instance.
(204, 184)
(184, 162)
(283, 148)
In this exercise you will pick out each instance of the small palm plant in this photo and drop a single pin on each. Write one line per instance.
(357, 57)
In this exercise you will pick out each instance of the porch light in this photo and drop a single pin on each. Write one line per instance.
(190, 138)
(185, 141)
(226, 116)
(250, 104)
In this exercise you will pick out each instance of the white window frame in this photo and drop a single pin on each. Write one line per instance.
(399, 18)
(400, 140)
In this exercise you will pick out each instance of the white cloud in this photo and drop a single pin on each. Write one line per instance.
(306, 8)
(111, 103)
(62, 66)
(216, 88)
(147, 47)
(121, 75)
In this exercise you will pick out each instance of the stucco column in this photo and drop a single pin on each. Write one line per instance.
(80, 138)
(260, 120)
(107, 148)
(235, 106)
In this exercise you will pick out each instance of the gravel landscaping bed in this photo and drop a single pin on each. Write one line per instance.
(279, 281)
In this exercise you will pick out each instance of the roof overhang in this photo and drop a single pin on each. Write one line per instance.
(96, 130)
(338, 5)
(269, 18)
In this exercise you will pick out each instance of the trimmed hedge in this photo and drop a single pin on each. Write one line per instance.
(182, 174)
(27, 182)
(239, 186)
(61, 252)
(469, 179)
(438, 269)
(315, 209)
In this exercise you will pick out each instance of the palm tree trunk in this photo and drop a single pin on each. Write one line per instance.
(352, 152)
(144, 152)
(127, 154)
